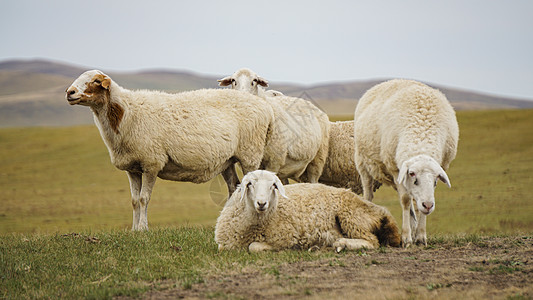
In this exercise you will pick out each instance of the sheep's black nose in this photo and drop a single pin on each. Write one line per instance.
(261, 205)
(71, 92)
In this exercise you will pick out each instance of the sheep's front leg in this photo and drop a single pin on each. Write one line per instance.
(148, 181)
(135, 188)
(421, 237)
(352, 244)
(259, 247)
(405, 201)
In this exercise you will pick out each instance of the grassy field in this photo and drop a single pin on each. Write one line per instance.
(65, 219)
(61, 180)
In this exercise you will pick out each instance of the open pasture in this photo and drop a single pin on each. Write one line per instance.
(65, 219)
(61, 179)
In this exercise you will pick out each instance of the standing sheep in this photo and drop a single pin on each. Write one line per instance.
(263, 214)
(190, 136)
(339, 168)
(247, 80)
(406, 136)
(298, 146)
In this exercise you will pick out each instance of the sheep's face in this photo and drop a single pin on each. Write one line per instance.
(261, 190)
(419, 176)
(90, 89)
(244, 80)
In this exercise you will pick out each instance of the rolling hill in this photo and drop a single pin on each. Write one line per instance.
(32, 92)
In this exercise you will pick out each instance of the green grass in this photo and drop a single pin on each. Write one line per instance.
(61, 180)
(102, 264)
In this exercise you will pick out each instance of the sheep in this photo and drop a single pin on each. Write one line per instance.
(405, 136)
(247, 80)
(190, 136)
(263, 214)
(339, 168)
(299, 144)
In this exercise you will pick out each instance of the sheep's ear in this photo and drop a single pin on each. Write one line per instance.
(102, 80)
(262, 82)
(402, 175)
(279, 186)
(225, 81)
(244, 187)
(106, 82)
(444, 178)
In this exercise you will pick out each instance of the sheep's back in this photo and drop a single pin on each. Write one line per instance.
(398, 119)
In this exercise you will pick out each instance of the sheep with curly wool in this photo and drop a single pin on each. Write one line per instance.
(263, 214)
(298, 146)
(406, 136)
(339, 168)
(190, 136)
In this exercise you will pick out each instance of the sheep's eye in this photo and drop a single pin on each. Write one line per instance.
(97, 81)
(253, 82)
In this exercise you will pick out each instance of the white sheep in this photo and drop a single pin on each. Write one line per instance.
(298, 146)
(247, 80)
(263, 214)
(339, 168)
(190, 136)
(406, 136)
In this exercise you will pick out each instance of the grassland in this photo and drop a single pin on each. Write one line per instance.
(65, 219)
(61, 180)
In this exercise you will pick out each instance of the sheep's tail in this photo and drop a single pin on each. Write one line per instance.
(388, 233)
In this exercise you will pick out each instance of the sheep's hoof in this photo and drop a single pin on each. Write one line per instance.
(421, 240)
(339, 246)
(313, 249)
(406, 242)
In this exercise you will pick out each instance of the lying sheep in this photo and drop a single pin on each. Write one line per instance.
(263, 214)
(339, 168)
(190, 136)
(299, 143)
(406, 136)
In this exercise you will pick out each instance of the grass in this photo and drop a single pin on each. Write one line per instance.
(65, 213)
(61, 179)
(103, 264)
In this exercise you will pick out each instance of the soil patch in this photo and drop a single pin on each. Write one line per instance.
(488, 268)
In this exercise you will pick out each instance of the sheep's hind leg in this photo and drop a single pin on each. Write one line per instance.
(231, 178)
(135, 188)
(352, 244)
(148, 180)
(367, 182)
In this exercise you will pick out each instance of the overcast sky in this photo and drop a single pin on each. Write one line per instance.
(480, 45)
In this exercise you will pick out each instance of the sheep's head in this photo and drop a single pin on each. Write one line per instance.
(244, 80)
(90, 89)
(419, 176)
(261, 190)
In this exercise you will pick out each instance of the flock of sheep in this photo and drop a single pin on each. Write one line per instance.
(404, 134)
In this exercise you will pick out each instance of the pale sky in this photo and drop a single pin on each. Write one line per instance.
(480, 45)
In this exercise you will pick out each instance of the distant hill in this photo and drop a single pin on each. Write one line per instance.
(32, 92)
